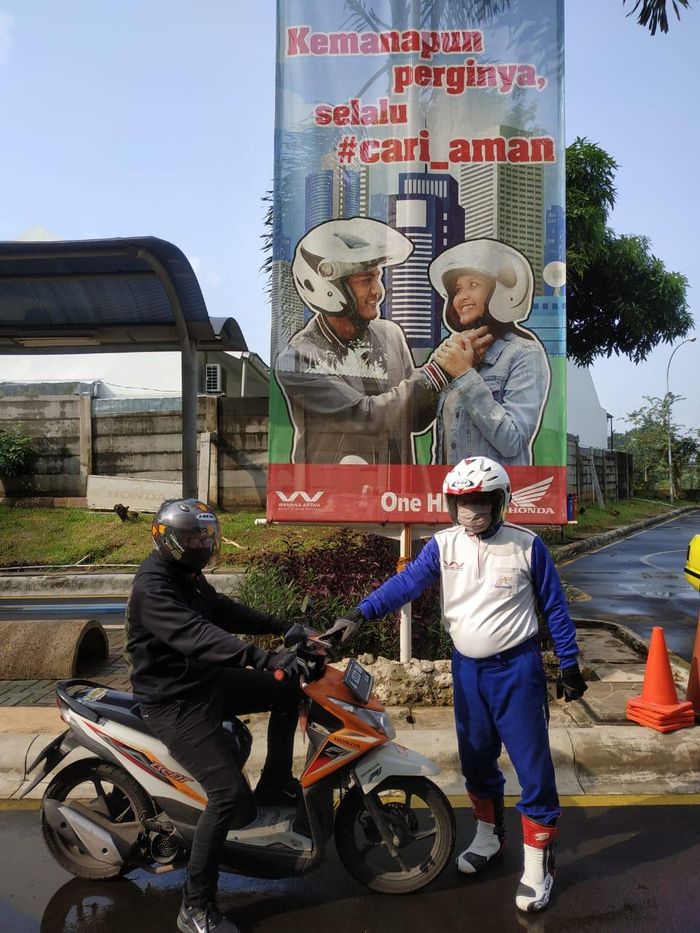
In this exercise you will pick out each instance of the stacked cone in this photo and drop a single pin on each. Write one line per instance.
(692, 694)
(658, 706)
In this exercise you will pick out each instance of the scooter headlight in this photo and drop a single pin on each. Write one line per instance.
(377, 720)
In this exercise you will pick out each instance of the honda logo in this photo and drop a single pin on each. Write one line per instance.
(524, 501)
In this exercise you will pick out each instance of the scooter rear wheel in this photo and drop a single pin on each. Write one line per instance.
(108, 790)
(418, 814)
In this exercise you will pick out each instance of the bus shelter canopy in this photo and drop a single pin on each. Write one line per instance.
(124, 294)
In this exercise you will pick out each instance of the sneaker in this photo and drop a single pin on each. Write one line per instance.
(207, 919)
(287, 794)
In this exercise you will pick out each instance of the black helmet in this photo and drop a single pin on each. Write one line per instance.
(186, 532)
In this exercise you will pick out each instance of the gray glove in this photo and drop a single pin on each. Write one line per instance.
(570, 684)
(346, 627)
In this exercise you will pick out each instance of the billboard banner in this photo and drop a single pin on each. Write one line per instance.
(418, 276)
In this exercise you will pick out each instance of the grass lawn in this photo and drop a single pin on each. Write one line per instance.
(36, 536)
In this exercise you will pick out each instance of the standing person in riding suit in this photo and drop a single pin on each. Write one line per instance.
(352, 389)
(492, 577)
(189, 673)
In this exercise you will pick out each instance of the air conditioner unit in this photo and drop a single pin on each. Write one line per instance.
(214, 378)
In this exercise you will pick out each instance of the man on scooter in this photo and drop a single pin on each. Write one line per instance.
(492, 576)
(190, 673)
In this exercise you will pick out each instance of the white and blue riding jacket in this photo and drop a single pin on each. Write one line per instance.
(489, 590)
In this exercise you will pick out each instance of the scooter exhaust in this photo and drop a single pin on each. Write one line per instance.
(81, 827)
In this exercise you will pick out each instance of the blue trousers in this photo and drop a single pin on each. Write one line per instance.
(502, 700)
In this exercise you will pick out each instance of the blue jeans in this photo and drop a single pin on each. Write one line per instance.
(502, 700)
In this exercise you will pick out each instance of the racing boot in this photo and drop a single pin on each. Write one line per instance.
(490, 837)
(208, 919)
(535, 886)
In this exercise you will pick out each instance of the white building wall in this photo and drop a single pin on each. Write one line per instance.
(586, 416)
(128, 374)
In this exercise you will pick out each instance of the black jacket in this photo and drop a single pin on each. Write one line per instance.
(177, 632)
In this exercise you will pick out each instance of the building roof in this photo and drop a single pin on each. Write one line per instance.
(132, 293)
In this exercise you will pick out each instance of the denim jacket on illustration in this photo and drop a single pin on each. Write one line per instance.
(494, 411)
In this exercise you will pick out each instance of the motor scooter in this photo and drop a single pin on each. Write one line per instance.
(133, 805)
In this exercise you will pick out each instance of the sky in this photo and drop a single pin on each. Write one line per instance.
(156, 118)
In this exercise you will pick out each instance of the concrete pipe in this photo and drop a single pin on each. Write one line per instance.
(51, 650)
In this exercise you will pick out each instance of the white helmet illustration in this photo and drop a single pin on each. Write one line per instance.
(514, 283)
(332, 251)
(477, 474)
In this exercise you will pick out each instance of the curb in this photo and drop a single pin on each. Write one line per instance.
(89, 584)
(566, 552)
(605, 760)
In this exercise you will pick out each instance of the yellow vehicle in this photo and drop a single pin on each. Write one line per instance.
(692, 563)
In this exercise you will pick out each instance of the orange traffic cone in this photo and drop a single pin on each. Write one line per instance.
(692, 694)
(658, 706)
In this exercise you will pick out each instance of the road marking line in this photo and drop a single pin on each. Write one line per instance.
(461, 801)
(604, 800)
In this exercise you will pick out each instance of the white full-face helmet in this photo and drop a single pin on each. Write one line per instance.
(334, 250)
(478, 474)
(513, 281)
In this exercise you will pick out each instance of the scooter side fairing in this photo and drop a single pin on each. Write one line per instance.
(391, 760)
(144, 757)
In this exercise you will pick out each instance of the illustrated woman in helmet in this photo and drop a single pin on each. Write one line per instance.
(492, 577)
(348, 376)
(189, 673)
(495, 407)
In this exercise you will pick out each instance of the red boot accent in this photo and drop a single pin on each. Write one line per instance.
(484, 808)
(537, 835)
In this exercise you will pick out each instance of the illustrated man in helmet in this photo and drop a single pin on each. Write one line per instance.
(495, 406)
(493, 575)
(189, 673)
(348, 376)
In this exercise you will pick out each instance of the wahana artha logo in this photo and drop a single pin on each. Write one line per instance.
(452, 565)
(300, 499)
(524, 501)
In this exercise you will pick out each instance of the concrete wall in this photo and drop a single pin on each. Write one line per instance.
(612, 469)
(54, 424)
(77, 436)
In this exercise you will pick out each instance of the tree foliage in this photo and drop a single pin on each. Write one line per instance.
(620, 297)
(647, 441)
(653, 13)
(15, 450)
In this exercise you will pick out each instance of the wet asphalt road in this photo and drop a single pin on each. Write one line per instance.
(623, 870)
(639, 583)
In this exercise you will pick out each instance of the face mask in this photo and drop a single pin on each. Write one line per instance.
(475, 519)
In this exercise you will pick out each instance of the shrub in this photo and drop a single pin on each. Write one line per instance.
(323, 582)
(15, 450)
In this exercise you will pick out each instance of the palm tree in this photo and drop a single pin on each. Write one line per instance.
(653, 13)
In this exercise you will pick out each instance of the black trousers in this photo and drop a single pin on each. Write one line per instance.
(191, 729)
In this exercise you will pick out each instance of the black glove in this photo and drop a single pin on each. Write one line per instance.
(288, 662)
(346, 626)
(570, 684)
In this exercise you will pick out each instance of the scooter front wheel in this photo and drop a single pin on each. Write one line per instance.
(421, 823)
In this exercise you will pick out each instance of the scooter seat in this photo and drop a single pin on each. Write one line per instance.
(114, 705)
